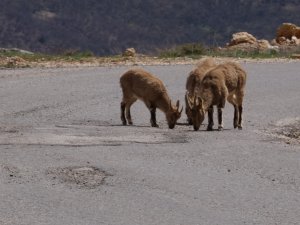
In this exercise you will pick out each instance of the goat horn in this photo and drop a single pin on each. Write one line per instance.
(188, 100)
(181, 110)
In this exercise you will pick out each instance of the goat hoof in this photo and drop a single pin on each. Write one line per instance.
(240, 128)
(124, 123)
(154, 125)
(209, 128)
(190, 122)
(220, 128)
(130, 123)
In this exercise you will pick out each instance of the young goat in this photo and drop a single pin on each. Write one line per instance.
(139, 84)
(226, 81)
(194, 79)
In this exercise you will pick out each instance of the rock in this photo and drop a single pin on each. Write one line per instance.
(247, 42)
(129, 52)
(297, 32)
(295, 56)
(12, 62)
(281, 40)
(15, 60)
(273, 42)
(263, 45)
(242, 37)
(275, 48)
(244, 47)
(17, 50)
(287, 30)
(295, 41)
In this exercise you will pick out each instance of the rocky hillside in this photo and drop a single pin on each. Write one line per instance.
(108, 27)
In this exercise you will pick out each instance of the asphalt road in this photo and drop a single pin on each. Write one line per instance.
(66, 159)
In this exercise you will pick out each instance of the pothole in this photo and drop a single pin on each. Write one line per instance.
(10, 171)
(83, 177)
(14, 174)
(287, 129)
(290, 131)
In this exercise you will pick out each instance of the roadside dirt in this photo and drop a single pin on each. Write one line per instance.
(140, 60)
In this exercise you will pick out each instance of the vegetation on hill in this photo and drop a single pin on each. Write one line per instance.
(108, 27)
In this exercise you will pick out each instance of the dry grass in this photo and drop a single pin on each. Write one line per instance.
(15, 59)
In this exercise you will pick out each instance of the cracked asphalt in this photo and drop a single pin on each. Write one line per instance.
(66, 159)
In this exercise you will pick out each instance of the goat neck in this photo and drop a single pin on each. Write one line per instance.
(164, 103)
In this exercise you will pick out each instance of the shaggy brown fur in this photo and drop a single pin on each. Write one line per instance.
(226, 81)
(194, 79)
(139, 84)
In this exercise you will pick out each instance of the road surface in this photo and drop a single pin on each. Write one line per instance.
(66, 159)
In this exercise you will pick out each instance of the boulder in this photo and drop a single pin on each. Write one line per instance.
(247, 47)
(295, 41)
(281, 40)
(12, 62)
(263, 45)
(129, 52)
(242, 37)
(295, 56)
(287, 30)
(274, 42)
(297, 32)
(247, 42)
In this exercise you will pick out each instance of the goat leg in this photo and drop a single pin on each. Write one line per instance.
(128, 116)
(240, 117)
(153, 117)
(236, 116)
(210, 118)
(220, 119)
(123, 105)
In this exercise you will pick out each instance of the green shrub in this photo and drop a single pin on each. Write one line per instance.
(190, 49)
(238, 53)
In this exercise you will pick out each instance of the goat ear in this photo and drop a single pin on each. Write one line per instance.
(195, 101)
(177, 104)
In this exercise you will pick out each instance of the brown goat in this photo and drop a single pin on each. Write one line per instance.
(194, 79)
(139, 84)
(226, 81)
